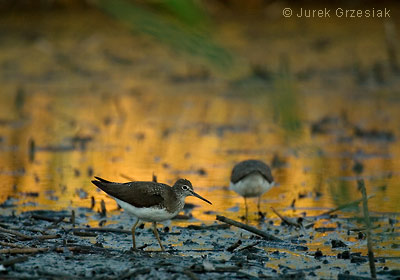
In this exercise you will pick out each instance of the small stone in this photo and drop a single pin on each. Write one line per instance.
(337, 243)
(318, 254)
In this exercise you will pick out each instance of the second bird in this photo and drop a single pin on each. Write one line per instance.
(251, 178)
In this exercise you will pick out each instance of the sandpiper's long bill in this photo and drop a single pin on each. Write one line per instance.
(149, 201)
(251, 178)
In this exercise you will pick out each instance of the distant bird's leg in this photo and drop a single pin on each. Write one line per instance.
(258, 204)
(133, 234)
(158, 237)
(247, 210)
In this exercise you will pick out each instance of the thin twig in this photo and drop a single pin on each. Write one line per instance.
(16, 233)
(72, 219)
(234, 246)
(36, 230)
(102, 229)
(261, 233)
(47, 236)
(249, 246)
(286, 220)
(210, 227)
(92, 202)
(82, 249)
(23, 250)
(29, 237)
(284, 245)
(84, 233)
(46, 218)
(13, 245)
(343, 206)
(103, 210)
(371, 258)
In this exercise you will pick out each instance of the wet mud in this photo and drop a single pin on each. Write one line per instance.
(45, 244)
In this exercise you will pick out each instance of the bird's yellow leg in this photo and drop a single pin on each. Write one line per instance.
(157, 236)
(247, 210)
(133, 234)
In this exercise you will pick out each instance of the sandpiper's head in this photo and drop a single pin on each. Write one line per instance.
(184, 188)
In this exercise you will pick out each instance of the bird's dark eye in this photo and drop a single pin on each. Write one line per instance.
(185, 187)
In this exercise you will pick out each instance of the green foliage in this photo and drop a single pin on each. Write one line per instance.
(187, 11)
(181, 38)
(285, 101)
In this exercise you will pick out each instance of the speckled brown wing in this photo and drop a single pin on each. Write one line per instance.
(247, 167)
(138, 194)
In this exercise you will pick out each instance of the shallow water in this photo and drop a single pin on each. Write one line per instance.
(200, 140)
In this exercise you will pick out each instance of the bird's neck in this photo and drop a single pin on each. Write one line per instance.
(176, 203)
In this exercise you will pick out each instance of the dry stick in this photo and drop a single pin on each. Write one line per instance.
(47, 236)
(103, 211)
(343, 206)
(84, 233)
(92, 202)
(234, 246)
(46, 218)
(8, 237)
(28, 237)
(23, 250)
(286, 220)
(13, 245)
(77, 249)
(371, 258)
(266, 236)
(37, 230)
(4, 225)
(72, 219)
(101, 229)
(16, 233)
(249, 246)
(210, 227)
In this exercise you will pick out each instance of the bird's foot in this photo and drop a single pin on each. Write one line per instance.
(140, 248)
(261, 215)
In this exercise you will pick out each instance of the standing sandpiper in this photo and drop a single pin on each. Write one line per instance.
(149, 201)
(251, 178)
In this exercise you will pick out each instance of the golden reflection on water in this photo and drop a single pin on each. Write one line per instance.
(198, 137)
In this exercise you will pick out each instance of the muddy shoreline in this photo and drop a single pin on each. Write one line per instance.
(64, 246)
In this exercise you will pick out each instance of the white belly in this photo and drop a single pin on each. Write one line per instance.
(252, 185)
(146, 214)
